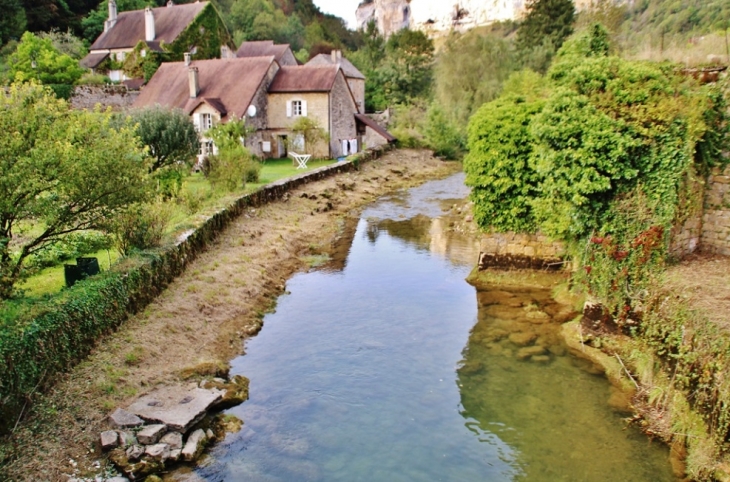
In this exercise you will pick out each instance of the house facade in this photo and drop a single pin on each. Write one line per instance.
(270, 97)
(355, 78)
(134, 43)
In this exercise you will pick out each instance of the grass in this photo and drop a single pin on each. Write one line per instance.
(197, 198)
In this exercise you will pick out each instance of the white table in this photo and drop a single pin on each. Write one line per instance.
(301, 159)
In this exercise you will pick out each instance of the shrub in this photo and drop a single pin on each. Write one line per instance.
(140, 227)
(69, 247)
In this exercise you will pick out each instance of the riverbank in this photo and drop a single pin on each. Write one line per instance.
(202, 318)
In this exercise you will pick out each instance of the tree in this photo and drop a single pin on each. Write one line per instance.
(61, 171)
(37, 59)
(12, 21)
(308, 130)
(407, 71)
(546, 21)
(233, 164)
(169, 135)
(66, 43)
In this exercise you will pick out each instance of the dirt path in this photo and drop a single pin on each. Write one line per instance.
(202, 318)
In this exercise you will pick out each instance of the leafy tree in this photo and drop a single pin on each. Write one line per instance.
(60, 170)
(470, 70)
(169, 135)
(406, 73)
(309, 131)
(545, 27)
(37, 59)
(93, 24)
(12, 21)
(233, 165)
(66, 43)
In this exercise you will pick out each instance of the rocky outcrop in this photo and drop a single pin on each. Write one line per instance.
(435, 15)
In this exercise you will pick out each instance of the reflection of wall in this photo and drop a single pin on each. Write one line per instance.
(341, 247)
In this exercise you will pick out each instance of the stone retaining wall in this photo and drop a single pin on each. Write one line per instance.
(716, 219)
(118, 97)
(516, 250)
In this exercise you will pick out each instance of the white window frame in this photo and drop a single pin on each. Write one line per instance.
(206, 121)
(297, 108)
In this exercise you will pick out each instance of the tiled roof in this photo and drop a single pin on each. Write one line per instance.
(304, 78)
(348, 69)
(262, 48)
(92, 60)
(129, 28)
(362, 118)
(227, 85)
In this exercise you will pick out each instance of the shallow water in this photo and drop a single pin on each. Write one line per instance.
(386, 365)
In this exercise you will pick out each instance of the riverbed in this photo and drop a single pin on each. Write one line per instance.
(384, 364)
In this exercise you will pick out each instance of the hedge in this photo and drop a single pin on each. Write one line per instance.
(64, 329)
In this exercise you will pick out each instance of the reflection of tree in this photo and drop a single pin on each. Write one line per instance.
(341, 247)
(416, 230)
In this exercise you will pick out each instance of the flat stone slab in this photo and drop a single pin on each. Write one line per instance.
(151, 434)
(177, 407)
(123, 419)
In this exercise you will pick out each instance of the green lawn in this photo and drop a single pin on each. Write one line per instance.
(197, 200)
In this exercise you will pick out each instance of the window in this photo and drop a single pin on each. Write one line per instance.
(296, 108)
(206, 121)
(121, 56)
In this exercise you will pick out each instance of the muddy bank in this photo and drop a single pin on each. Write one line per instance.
(202, 318)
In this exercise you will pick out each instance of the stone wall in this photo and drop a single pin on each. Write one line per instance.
(516, 250)
(118, 97)
(716, 219)
(343, 110)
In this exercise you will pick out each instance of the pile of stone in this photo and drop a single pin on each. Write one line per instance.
(162, 428)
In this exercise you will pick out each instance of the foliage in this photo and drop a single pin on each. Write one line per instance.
(469, 71)
(12, 21)
(169, 135)
(63, 170)
(93, 79)
(207, 33)
(93, 24)
(231, 166)
(66, 43)
(608, 13)
(308, 130)
(407, 71)
(68, 247)
(545, 26)
(498, 166)
(139, 227)
(441, 135)
(611, 149)
(37, 59)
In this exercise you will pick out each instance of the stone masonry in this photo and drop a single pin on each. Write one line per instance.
(118, 97)
(716, 219)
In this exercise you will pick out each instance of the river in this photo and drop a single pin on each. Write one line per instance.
(385, 365)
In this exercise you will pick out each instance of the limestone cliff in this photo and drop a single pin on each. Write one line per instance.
(435, 15)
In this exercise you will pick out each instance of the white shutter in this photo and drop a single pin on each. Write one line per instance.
(288, 108)
(196, 122)
(304, 108)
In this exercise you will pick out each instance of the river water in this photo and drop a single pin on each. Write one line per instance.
(385, 365)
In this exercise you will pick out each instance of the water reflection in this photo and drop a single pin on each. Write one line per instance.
(362, 373)
(518, 383)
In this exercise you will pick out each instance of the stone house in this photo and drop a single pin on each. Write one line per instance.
(134, 43)
(271, 98)
(264, 48)
(355, 78)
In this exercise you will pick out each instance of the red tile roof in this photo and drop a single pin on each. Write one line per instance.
(262, 48)
(228, 85)
(362, 118)
(130, 27)
(304, 78)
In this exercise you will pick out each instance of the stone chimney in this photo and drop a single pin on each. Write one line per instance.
(336, 56)
(193, 82)
(188, 57)
(149, 24)
(225, 52)
(112, 15)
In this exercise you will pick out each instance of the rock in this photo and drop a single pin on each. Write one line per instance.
(118, 479)
(159, 452)
(173, 439)
(126, 439)
(530, 351)
(493, 297)
(522, 339)
(210, 435)
(236, 391)
(175, 455)
(135, 452)
(537, 317)
(135, 471)
(541, 359)
(123, 419)
(194, 445)
(109, 440)
(176, 407)
(153, 478)
(557, 350)
(151, 434)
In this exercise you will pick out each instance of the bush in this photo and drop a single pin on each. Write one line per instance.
(140, 227)
(93, 79)
(441, 135)
(69, 247)
(62, 91)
